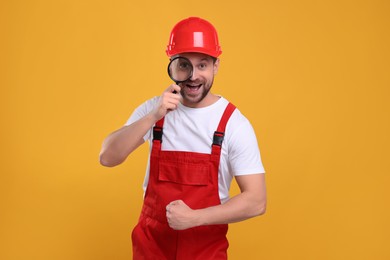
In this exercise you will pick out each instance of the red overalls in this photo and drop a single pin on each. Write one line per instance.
(193, 178)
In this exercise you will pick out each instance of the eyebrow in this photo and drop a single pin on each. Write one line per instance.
(206, 59)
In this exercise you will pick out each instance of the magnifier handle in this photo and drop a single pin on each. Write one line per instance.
(175, 92)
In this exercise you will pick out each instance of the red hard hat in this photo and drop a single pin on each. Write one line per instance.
(194, 34)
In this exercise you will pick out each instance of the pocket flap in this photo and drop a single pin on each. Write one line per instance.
(188, 174)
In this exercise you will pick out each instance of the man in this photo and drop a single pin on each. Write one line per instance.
(199, 142)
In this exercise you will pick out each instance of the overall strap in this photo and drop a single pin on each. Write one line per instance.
(220, 133)
(157, 135)
(217, 138)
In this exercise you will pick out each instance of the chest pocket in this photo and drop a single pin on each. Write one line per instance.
(184, 173)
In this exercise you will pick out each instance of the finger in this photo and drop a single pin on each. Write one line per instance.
(172, 87)
(174, 99)
(177, 202)
(170, 98)
(171, 106)
(175, 88)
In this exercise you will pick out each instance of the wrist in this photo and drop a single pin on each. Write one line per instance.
(198, 218)
(152, 118)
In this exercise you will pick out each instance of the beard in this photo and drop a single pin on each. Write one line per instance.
(194, 99)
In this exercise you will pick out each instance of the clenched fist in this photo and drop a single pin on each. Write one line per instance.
(180, 216)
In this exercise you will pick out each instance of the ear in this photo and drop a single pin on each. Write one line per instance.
(216, 66)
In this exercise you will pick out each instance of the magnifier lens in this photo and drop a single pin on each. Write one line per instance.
(180, 69)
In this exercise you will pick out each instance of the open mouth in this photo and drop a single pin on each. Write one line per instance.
(193, 87)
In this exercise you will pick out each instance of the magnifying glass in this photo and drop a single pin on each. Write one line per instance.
(180, 69)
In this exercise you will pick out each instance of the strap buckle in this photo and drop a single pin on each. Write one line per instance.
(157, 133)
(218, 138)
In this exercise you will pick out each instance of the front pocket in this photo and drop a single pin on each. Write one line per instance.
(184, 173)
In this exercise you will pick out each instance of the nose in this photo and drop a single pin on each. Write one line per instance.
(194, 75)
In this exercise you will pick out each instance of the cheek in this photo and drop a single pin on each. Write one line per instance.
(210, 75)
(211, 78)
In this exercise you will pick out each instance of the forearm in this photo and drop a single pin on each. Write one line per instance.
(119, 144)
(249, 203)
(241, 207)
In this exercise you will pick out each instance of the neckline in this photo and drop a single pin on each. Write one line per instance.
(219, 102)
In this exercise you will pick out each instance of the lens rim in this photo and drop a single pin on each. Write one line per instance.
(169, 73)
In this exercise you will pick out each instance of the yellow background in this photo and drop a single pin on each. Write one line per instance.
(312, 76)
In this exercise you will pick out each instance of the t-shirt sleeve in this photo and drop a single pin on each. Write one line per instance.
(244, 152)
(142, 111)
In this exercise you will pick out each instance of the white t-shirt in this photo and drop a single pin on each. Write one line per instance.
(192, 129)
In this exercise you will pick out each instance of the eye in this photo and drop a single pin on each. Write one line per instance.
(184, 66)
(202, 66)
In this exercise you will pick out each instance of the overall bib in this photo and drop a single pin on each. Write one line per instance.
(193, 178)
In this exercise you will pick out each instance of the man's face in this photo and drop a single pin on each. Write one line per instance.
(195, 91)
